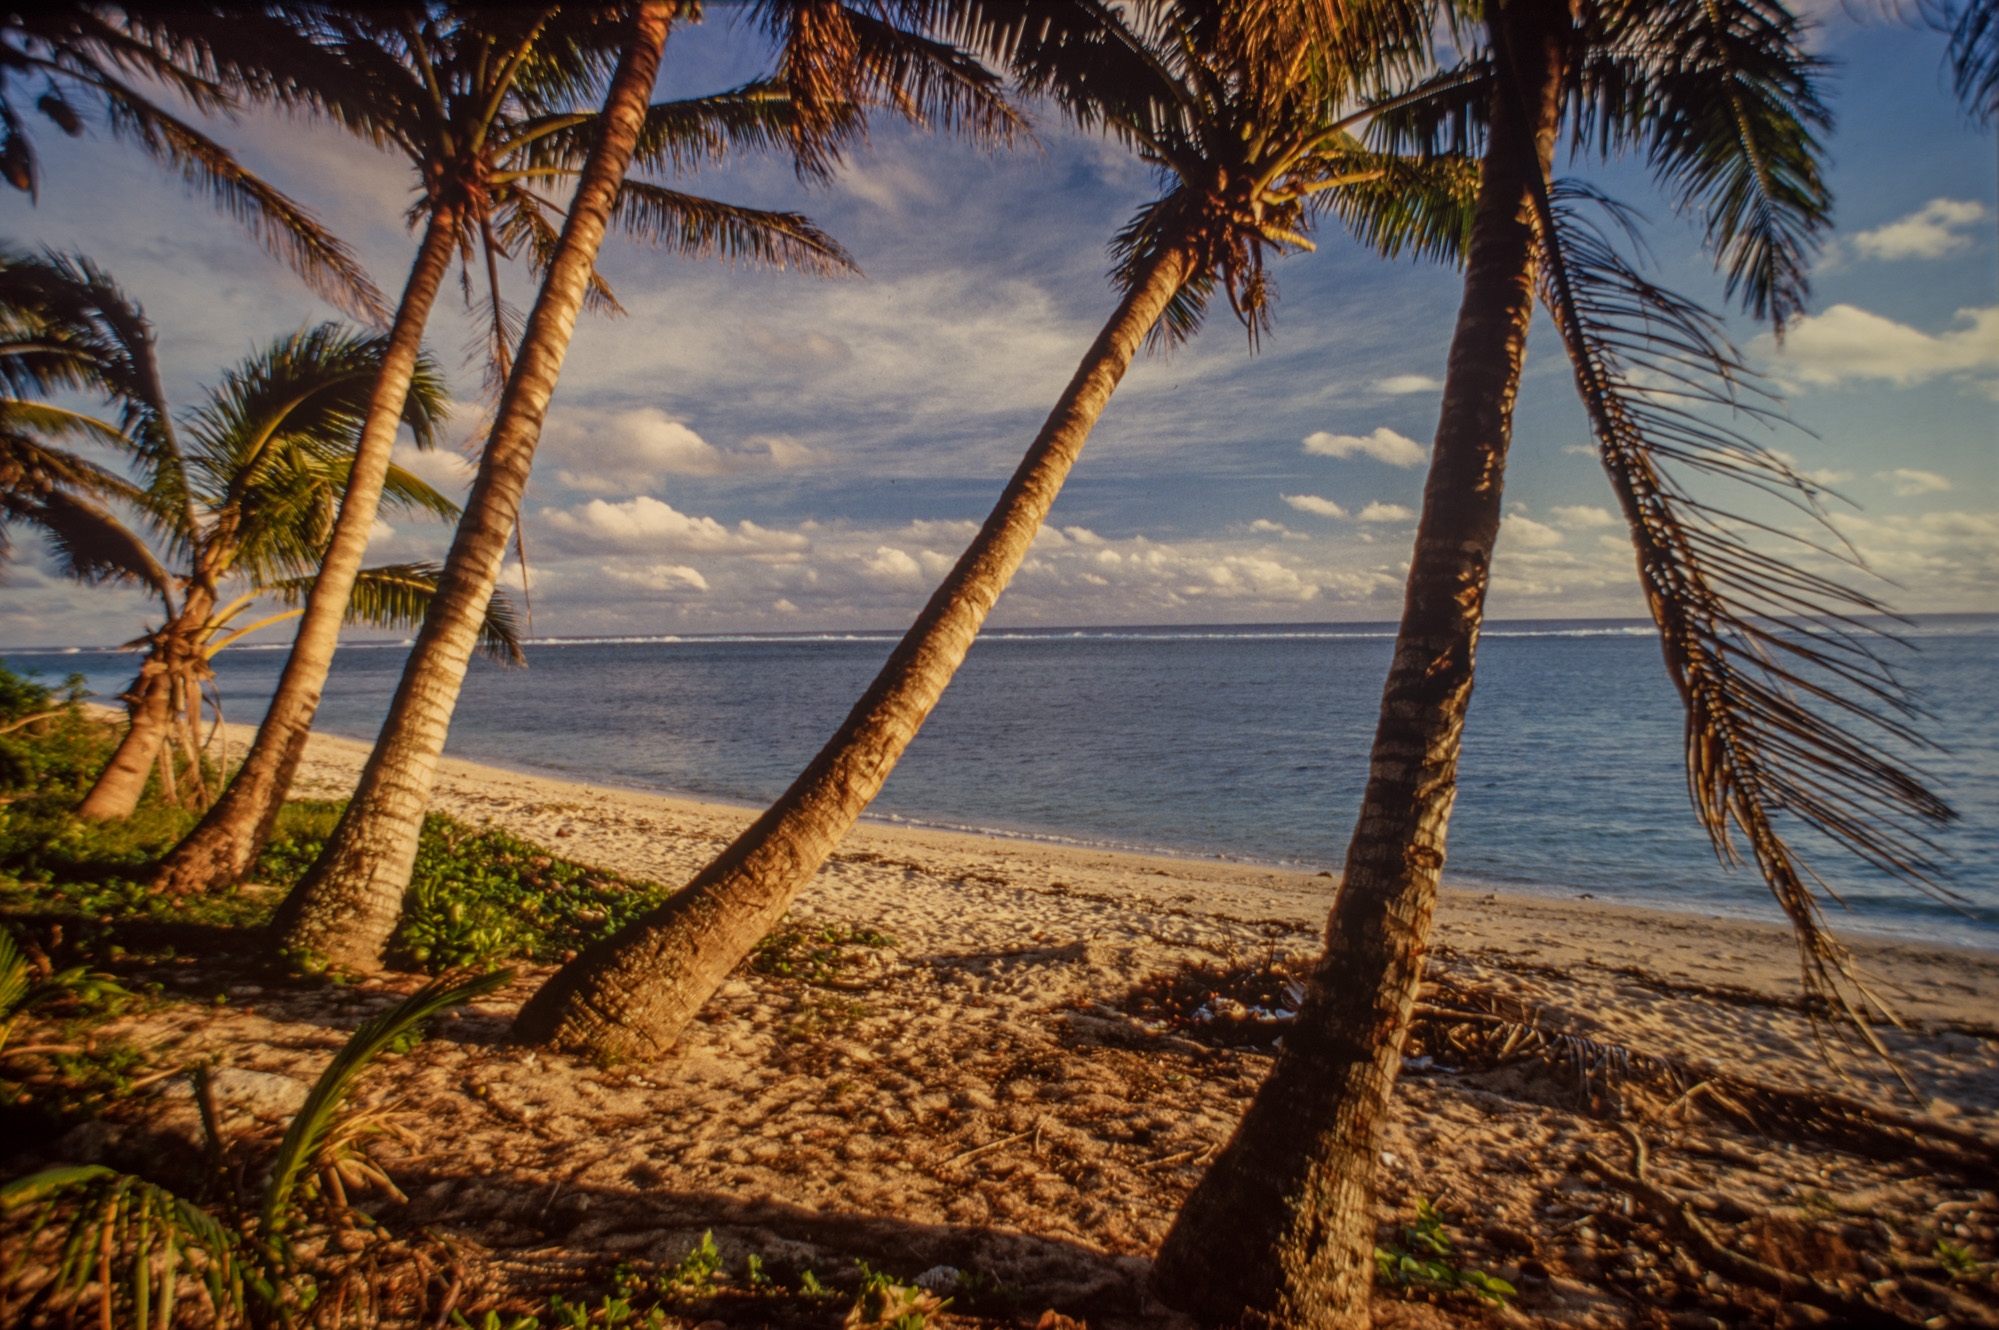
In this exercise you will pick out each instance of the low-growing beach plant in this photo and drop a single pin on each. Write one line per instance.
(1423, 1260)
(130, 1245)
(813, 952)
(885, 1303)
(478, 896)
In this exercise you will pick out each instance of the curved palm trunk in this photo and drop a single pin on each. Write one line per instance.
(120, 785)
(346, 906)
(1281, 1231)
(633, 993)
(222, 847)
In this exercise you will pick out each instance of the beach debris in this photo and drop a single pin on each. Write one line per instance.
(1676, 1214)
(938, 1278)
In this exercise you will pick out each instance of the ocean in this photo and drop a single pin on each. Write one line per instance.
(1245, 743)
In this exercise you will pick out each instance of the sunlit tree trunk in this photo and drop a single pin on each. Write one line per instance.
(347, 905)
(633, 993)
(221, 849)
(1281, 1231)
(119, 786)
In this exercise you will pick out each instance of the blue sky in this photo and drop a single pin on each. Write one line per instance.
(765, 451)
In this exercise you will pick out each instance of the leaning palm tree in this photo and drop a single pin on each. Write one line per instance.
(1772, 661)
(74, 56)
(244, 493)
(346, 906)
(487, 106)
(1251, 156)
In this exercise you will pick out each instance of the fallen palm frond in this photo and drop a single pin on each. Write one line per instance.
(129, 1244)
(21, 987)
(1470, 1029)
(1677, 1216)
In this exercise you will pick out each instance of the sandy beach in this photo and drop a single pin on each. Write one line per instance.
(986, 1095)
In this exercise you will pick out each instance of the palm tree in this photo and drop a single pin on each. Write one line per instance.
(248, 494)
(1974, 58)
(1724, 101)
(74, 54)
(484, 105)
(346, 906)
(1251, 156)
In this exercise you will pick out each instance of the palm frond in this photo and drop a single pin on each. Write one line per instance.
(132, 1239)
(1791, 710)
(700, 228)
(1974, 59)
(285, 228)
(835, 57)
(89, 543)
(399, 596)
(1421, 206)
(1726, 100)
(316, 1120)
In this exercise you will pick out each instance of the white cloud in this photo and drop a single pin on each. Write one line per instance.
(1400, 385)
(630, 451)
(1312, 503)
(1527, 533)
(894, 565)
(1582, 516)
(1386, 512)
(1384, 445)
(649, 523)
(1907, 482)
(1848, 343)
(1931, 232)
(658, 576)
(1263, 526)
(439, 468)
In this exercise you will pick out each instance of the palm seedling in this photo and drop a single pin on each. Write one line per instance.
(494, 110)
(132, 1245)
(73, 57)
(244, 494)
(1769, 657)
(345, 907)
(1251, 153)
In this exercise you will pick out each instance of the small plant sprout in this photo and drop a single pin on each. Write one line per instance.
(1422, 1260)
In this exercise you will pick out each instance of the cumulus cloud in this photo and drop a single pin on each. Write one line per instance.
(1528, 533)
(1907, 482)
(658, 577)
(1312, 503)
(1384, 445)
(439, 468)
(1386, 512)
(652, 524)
(1847, 343)
(627, 451)
(1931, 232)
(1581, 516)
(1401, 385)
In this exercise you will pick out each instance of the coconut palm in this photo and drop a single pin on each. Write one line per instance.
(345, 907)
(245, 492)
(488, 107)
(1250, 156)
(74, 56)
(1769, 659)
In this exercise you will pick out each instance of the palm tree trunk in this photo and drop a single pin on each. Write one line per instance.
(347, 905)
(1281, 1231)
(633, 993)
(221, 849)
(120, 785)
(149, 716)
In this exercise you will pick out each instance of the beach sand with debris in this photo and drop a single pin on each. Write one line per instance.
(1011, 1089)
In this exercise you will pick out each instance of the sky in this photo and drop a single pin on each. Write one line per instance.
(768, 451)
